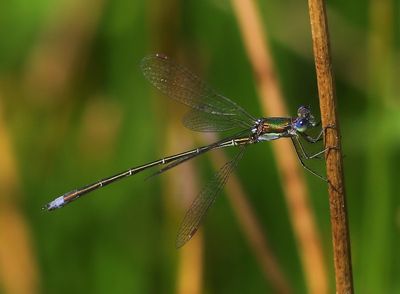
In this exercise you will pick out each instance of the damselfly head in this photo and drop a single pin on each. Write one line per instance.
(303, 111)
(304, 119)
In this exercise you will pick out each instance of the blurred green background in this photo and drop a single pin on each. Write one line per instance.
(74, 108)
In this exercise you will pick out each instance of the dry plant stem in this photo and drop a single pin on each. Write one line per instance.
(334, 162)
(293, 183)
(18, 267)
(190, 266)
(165, 25)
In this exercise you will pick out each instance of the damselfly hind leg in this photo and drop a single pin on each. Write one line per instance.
(302, 155)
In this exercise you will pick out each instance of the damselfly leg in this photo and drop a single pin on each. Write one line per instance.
(210, 112)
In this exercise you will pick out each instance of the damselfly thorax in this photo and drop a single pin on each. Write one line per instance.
(210, 112)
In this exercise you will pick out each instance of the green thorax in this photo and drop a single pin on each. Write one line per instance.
(277, 124)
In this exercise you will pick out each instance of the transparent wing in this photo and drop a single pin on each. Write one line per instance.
(218, 144)
(209, 122)
(182, 85)
(204, 200)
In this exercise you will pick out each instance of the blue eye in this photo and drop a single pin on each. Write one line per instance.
(301, 125)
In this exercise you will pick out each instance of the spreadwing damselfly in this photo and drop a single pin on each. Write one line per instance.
(210, 112)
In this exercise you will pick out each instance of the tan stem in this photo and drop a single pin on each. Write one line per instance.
(334, 162)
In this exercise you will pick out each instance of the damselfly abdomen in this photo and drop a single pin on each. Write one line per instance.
(210, 112)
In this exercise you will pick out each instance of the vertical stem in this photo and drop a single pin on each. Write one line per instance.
(17, 257)
(334, 162)
(255, 40)
(166, 23)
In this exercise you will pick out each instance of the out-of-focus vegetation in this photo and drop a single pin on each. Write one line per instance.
(74, 108)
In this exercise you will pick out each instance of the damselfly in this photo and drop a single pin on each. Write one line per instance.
(210, 112)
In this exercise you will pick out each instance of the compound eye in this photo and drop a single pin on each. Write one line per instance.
(303, 111)
(301, 125)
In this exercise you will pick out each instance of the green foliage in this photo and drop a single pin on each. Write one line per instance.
(103, 117)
